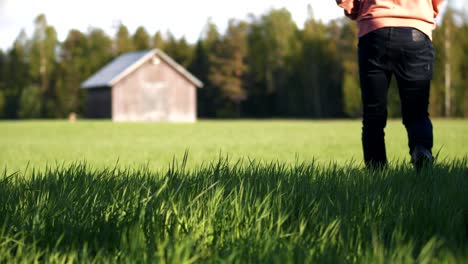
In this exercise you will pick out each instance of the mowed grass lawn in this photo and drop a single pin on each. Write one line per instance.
(74, 205)
(102, 144)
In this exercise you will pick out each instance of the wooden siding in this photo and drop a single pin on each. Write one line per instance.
(154, 92)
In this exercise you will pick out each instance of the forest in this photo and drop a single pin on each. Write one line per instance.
(262, 67)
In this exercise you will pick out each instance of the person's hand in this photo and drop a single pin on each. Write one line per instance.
(351, 8)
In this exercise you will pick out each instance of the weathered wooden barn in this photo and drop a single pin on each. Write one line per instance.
(142, 86)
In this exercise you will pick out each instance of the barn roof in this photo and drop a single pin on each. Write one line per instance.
(126, 63)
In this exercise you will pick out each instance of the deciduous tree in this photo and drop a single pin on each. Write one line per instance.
(229, 67)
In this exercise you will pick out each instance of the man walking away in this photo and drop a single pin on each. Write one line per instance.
(395, 39)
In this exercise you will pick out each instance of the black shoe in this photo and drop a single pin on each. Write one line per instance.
(421, 157)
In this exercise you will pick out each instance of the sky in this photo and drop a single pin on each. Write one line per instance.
(182, 17)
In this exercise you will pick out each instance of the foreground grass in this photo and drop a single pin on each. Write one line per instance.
(102, 144)
(245, 213)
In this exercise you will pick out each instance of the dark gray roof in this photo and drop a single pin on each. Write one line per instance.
(126, 63)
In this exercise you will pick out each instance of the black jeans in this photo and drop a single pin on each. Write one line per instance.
(407, 54)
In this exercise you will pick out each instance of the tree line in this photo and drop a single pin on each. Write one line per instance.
(264, 66)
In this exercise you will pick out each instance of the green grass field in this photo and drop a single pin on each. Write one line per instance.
(248, 192)
(102, 144)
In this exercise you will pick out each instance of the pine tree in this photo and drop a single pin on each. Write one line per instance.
(74, 69)
(99, 49)
(321, 69)
(141, 39)
(200, 67)
(447, 94)
(158, 41)
(208, 99)
(464, 65)
(43, 63)
(123, 41)
(347, 45)
(458, 58)
(272, 41)
(180, 50)
(2, 83)
(17, 76)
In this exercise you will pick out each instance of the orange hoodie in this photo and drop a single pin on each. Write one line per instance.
(375, 14)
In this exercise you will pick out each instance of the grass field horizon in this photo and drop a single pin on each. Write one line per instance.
(271, 191)
(101, 144)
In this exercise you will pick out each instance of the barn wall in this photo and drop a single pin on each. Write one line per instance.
(98, 103)
(154, 92)
(182, 95)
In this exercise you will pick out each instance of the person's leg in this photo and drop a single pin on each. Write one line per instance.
(415, 103)
(375, 79)
(414, 63)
